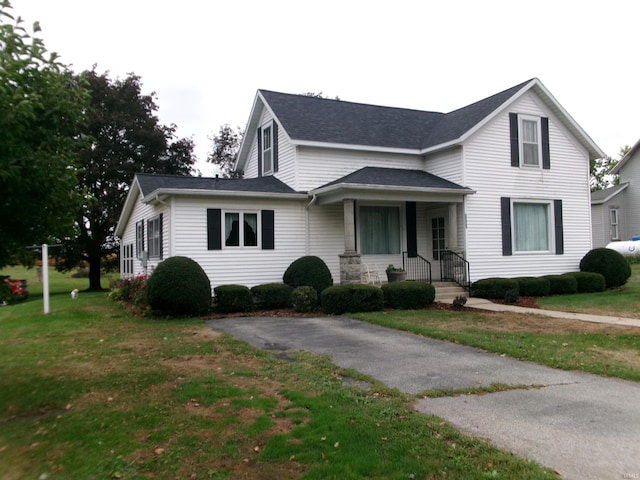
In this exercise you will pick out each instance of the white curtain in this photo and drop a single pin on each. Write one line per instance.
(531, 227)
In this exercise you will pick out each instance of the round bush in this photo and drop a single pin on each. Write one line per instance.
(494, 287)
(179, 286)
(562, 284)
(533, 286)
(233, 298)
(304, 299)
(408, 295)
(272, 295)
(351, 298)
(310, 271)
(611, 264)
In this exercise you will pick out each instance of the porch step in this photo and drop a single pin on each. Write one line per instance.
(446, 292)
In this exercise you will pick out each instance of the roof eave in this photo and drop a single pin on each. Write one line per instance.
(615, 192)
(615, 170)
(161, 193)
(129, 204)
(389, 188)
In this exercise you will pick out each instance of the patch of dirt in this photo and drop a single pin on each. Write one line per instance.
(627, 357)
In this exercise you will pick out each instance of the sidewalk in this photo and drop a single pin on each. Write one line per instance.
(483, 304)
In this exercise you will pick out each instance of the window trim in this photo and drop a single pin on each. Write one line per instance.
(614, 225)
(551, 241)
(267, 129)
(154, 236)
(140, 239)
(241, 235)
(521, 142)
(128, 255)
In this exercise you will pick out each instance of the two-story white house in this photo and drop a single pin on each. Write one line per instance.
(501, 186)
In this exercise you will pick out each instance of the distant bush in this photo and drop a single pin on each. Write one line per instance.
(233, 298)
(408, 295)
(611, 264)
(351, 298)
(588, 282)
(179, 286)
(310, 271)
(533, 286)
(304, 299)
(562, 284)
(494, 287)
(272, 295)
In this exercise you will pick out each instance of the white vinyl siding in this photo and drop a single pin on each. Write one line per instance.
(630, 213)
(488, 171)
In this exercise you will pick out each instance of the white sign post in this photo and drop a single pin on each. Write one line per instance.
(45, 277)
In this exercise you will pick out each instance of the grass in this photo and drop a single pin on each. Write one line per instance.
(92, 392)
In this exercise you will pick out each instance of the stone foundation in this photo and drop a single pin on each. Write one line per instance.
(350, 268)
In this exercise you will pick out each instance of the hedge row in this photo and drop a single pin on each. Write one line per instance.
(568, 283)
(335, 299)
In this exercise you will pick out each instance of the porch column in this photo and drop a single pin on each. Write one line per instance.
(452, 233)
(350, 262)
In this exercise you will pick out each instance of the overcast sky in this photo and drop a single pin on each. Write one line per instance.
(205, 59)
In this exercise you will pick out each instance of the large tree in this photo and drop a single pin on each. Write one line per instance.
(126, 138)
(42, 106)
(225, 151)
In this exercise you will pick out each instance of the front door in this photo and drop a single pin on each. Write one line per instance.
(436, 235)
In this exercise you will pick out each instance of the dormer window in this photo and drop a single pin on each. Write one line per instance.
(267, 150)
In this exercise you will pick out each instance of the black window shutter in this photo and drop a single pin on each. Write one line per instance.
(214, 229)
(546, 156)
(274, 130)
(505, 213)
(161, 235)
(515, 146)
(412, 231)
(268, 230)
(559, 230)
(259, 152)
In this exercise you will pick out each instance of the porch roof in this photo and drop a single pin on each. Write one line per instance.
(381, 183)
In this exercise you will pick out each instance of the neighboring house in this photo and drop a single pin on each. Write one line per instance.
(503, 183)
(615, 211)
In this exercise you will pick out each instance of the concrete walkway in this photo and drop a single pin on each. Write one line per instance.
(581, 425)
(483, 304)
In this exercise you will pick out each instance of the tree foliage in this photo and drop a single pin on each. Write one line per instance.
(126, 138)
(601, 177)
(41, 112)
(225, 150)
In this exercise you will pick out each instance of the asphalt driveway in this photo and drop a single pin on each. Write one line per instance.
(583, 426)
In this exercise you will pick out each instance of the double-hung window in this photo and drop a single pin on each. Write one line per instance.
(379, 230)
(240, 229)
(127, 259)
(267, 150)
(615, 228)
(140, 239)
(530, 141)
(154, 234)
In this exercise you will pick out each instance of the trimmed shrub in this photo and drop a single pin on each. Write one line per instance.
(351, 298)
(310, 271)
(611, 264)
(533, 286)
(588, 282)
(272, 295)
(408, 295)
(494, 287)
(179, 286)
(562, 284)
(511, 296)
(233, 298)
(304, 299)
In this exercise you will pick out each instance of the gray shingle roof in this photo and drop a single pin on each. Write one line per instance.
(397, 178)
(600, 196)
(150, 183)
(336, 121)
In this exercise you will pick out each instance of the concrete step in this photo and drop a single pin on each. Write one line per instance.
(446, 292)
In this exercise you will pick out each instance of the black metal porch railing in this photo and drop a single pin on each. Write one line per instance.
(454, 268)
(417, 267)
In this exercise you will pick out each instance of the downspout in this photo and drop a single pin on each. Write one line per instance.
(307, 247)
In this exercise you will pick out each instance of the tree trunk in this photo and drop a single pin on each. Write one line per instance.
(94, 273)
